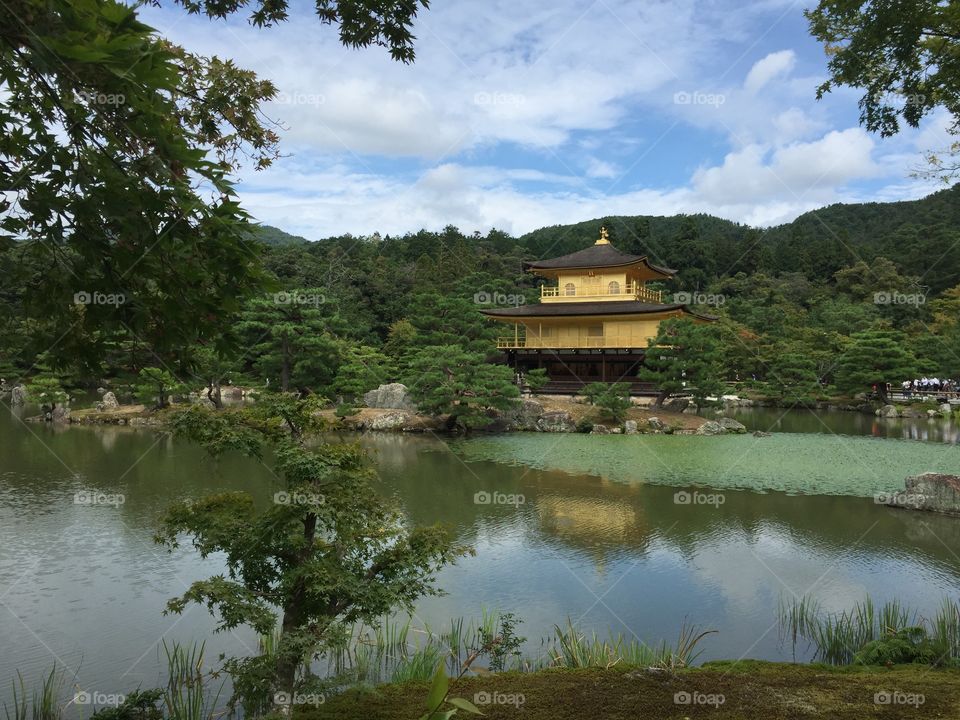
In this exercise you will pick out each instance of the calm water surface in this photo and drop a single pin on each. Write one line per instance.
(599, 538)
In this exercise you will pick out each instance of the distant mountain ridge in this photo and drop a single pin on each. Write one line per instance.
(921, 236)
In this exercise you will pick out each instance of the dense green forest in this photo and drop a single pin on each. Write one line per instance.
(879, 281)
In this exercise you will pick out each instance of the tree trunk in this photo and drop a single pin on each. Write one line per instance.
(213, 394)
(285, 368)
(288, 662)
(661, 399)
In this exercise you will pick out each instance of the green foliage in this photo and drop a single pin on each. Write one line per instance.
(792, 378)
(684, 357)
(446, 380)
(870, 635)
(328, 551)
(137, 705)
(47, 391)
(502, 641)
(536, 379)
(156, 385)
(613, 399)
(905, 69)
(874, 358)
(907, 645)
(363, 368)
(292, 339)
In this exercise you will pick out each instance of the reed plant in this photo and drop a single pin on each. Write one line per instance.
(866, 634)
(570, 647)
(42, 704)
(189, 694)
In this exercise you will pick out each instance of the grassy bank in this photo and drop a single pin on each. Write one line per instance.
(749, 690)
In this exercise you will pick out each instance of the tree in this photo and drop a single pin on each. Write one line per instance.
(156, 385)
(212, 366)
(329, 551)
(613, 399)
(364, 368)
(293, 339)
(684, 357)
(903, 54)
(447, 380)
(873, 359)
(116, 162)
(792, 377)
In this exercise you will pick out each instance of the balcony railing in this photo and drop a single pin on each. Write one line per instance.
(589, 342)
(630, 291)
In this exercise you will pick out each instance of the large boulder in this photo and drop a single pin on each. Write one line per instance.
(599, 429)
(934, 492)
(524, 415)
(676, 405)
(630, 427)
(888, 411)
(655, 423)
(710, 427)
(945, 409)
(109, 401)
(556, 421)
(394, 396)
(732, 426)
(18, 396)
(391, 421)
(60, 413)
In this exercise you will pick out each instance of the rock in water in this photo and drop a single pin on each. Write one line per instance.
(935, 492)
(109, 402)
(524, 415)
(557, 421)
(393, 396)
(18, 396)
(60, 414)
(732, 426)
(390, 421)
(889, 411)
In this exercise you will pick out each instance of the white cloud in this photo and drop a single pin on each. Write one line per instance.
(773, 65)
(518, 116)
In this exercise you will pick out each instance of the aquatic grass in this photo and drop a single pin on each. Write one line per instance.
(43, 704)
(187, 695)
(572, 648)
(867, 634)
(421, 665)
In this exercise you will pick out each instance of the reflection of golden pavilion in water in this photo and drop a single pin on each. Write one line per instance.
(600, 525)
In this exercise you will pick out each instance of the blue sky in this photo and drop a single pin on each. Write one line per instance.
(520, 114)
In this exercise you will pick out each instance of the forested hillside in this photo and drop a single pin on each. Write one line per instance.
(346, 312)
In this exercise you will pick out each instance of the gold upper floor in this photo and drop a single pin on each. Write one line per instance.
(601, 286)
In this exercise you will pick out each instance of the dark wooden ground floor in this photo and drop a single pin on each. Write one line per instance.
(570, 370)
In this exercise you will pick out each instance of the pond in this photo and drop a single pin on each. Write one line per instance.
(622, 534)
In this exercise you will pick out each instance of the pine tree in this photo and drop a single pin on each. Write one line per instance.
(684, 357)
(873, 359)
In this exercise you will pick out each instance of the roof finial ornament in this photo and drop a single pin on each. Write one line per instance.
(604, 236)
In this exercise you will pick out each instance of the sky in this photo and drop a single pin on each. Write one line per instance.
(521, 114)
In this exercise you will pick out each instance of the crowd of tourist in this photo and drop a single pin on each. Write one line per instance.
(925, 385)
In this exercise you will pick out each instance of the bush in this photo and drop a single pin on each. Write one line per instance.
(613, 399)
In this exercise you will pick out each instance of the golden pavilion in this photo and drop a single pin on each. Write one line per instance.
(595, 319)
